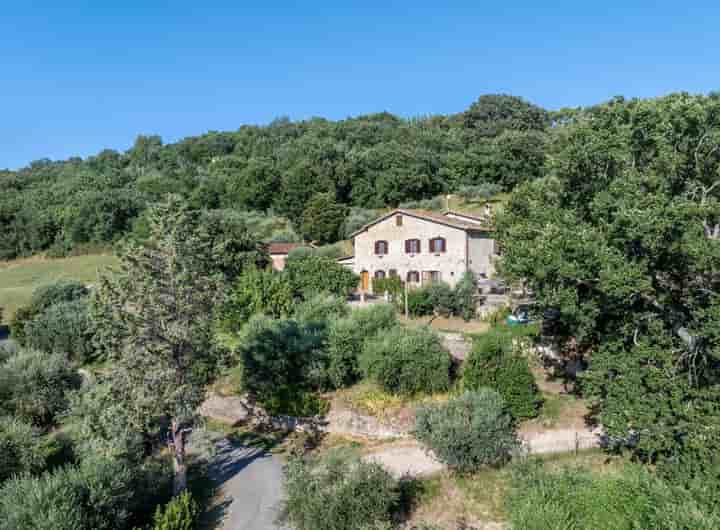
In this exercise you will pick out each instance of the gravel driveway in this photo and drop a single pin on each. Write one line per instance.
(250, 481)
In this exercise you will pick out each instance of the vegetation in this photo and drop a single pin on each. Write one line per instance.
(19, 279)
(339, 493)
(345, 339)
(468, 431)
(439, 299)
(313, 274)
(22, 449)
(181, 513)
(543, 499)
(309, 172)
(619, 244)
(406, 361)
(496, 362)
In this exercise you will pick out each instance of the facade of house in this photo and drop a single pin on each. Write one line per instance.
(422, 247)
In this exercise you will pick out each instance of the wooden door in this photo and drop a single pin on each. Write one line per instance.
(364, 280)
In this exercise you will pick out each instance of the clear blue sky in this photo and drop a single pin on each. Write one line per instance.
(82, 76)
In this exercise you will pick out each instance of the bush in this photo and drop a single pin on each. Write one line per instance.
(495, 364)
(315, 274)
(42, 299)
(464, 297)
(339, 493)
(279, 354)
(540, 499)
(393, 285)
(406, 361)
(22, 450)
(98, 422)
(319, 308)
(33, 386)
(469, 431)
(257, 291)
(64, 327)
(345, 340)
(419, 303)
(98, 495)
(294, 401)
(181, 513)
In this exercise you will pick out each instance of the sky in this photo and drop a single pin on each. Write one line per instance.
(78, 77)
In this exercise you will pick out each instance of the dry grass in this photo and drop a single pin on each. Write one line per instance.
(19, 278)
(453, 324)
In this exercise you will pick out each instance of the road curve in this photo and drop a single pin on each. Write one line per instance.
(250, 484)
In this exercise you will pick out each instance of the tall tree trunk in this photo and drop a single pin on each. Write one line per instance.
(177, 446)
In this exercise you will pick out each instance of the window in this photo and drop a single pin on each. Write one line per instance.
(435, 276)
(412, 246)
(413, 277)
(381, 247)
(398, 220)
(379, 275)
(392, 273)
(437, 244)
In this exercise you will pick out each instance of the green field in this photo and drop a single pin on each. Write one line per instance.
(19, 278)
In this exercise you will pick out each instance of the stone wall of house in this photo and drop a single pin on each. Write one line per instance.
(481, 253)
(451, 264)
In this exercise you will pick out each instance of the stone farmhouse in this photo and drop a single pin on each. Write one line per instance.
(422, 247)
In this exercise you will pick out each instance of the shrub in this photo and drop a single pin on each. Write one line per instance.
(21, 448)
(468, 431)
(495, 364)
(419, 303)
(393, 285)
(257, 291)
(181, 513)
(98, 495)
(441, 298)
(64, 327)
(541, 499)
(464, 297)
(294, 401)
(339, 493)
(320, 307)
(43, 298)
(98, 423)
(345, 340)
(277, 354)
(33, 386)
(61, 291)
(406, 361)
(315, 274)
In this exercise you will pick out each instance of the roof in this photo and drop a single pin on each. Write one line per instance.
(345, 258)
(430, 216)
(283, 248)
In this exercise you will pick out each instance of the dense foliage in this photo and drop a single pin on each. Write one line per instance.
(339, 493)
(345, 339)
(471, 430)
(308, 172)
(542, 499)
(496, 362)
(64, 327)
(440, 299)
(181, 513)
(620, 241)
(21, 448)
(312, 274)
(33, 386)
(406, 361)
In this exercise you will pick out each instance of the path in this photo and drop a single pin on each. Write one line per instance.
(250, 481)
(410, 459)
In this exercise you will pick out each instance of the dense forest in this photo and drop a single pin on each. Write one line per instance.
(290, 169)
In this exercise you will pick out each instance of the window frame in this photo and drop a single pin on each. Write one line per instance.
(408, 244)
(377, 247)
(433, 245)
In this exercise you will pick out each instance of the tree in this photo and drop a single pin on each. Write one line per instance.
(160, 306)
(469, 431)
(406, 361)
(21, 448)
(323, 218)
(316, 274)
(620, 240)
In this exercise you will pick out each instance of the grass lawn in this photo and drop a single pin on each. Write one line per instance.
(19, 278)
